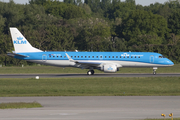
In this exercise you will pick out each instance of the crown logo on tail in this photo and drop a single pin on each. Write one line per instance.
(19, 38)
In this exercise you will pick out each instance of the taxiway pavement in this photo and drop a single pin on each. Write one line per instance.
(84, 75)
(93, 108)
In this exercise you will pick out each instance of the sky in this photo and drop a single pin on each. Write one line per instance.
(141, 2)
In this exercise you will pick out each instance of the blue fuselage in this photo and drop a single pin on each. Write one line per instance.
(126, 59)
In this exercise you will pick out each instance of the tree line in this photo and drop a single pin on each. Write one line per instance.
(92, 25)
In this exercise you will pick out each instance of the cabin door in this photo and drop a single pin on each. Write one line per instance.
(152, 59)
(44, 58)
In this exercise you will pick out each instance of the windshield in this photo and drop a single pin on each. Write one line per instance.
(162, 56)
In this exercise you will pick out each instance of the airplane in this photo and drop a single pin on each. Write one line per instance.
(109, 62)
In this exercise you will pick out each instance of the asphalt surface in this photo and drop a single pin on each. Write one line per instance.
(84, 75)
(93, 108)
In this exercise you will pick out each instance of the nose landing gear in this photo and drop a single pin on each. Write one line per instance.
(154, 70)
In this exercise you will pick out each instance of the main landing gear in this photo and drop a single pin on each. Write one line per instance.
(90, 72)
(154, 70)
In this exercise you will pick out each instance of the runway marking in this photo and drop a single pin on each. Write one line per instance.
(64, 114)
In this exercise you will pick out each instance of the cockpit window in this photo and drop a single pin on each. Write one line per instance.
(162, 57)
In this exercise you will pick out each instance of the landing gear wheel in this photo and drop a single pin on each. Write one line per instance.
(154, 70)
(90, 72)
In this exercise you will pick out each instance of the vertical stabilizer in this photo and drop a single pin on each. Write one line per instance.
(21, 45)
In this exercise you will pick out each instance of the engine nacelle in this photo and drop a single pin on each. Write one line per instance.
(110, 68)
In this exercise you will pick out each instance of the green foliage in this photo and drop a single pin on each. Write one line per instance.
(69, 1)
(95, 25)
(93, 33)
(60, 38)
(141, 27)
(119, 10)
(86, 8)
(64, 10)
(2, 23)
(38, 2)
(174, 22)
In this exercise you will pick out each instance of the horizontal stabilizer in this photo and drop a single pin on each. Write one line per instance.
(14, 54)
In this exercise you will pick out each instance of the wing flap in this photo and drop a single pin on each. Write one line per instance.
(86, 63)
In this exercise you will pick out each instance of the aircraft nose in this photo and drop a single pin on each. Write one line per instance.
(170, 63)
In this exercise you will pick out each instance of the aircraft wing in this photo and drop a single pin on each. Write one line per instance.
(84, 63)
(87, 64)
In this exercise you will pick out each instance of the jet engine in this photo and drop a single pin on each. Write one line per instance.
(109, 68)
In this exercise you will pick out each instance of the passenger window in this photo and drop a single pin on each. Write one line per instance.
(85, 56)
(96, 56)
(53, 56)
(89, 56)
(120, 56)
(139, 57)
(105, 56)
(71, 56)
(116, 56)
(92, 56)
(49, 56)
(81, 56)
(135, 56)
(160, 56)
(113, 57)
(64, 56)
(124, 56)
(74, 56)
(109, 56)
(100, 56)
(131, 56)
(78, 56)
(57, 56)
(127, 56)
(61, 56)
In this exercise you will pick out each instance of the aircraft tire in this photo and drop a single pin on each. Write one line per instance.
(92, 71)
(89, 73)
(154, 73)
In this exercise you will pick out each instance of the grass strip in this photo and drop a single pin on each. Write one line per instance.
(17, 105)
(51, 69)
(137, 86)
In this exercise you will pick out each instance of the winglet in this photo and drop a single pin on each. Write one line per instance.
(70, 59)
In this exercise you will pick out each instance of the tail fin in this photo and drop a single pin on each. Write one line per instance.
(21, 45)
